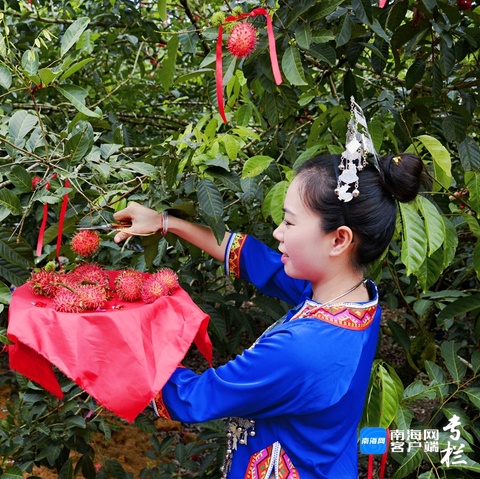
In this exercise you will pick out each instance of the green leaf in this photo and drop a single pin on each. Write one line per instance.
(5, 76)
(447, 58)
(5, 293)
(244, 115)
(434, 226)
(430, 270)
(404, 418)
(441, 159)
(20, 178)
(292, 66)
(410, 462)
(167, 73)
(469, 153)
(230, 145)
(66, 472)
(456, 367)
(476, 259)
(450, 243)
(437, 379)
(21, 123)
(143, 168)
(47, 75)
(80, 143)
(72, 34)
(273, 203)
(162, 9)
(414, 244)
(417, 390)
(345, 33)
(415, 73)
(473, 395)
(459, 307)
(76, 96)
(454, 128)
(75, 68)
(13, 472)
(389, 399)
(209, 199)
(303, 35)
(30, 63)
(472, 182)
(256, 165)
(75, 421)
(9, 203)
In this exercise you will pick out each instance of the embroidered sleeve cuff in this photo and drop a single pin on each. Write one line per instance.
(160, 408)
(233, 254)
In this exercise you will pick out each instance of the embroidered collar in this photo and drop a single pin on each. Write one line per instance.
(355, 316)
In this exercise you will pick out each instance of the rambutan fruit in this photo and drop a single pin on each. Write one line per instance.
(153, 288)
(67, 301)
(85, 242)
(91, 296)
(129, 285)
(169, 278)
(242, 40)
(89, 273)
(44, 283)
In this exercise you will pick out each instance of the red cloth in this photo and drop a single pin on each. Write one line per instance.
(121, 357)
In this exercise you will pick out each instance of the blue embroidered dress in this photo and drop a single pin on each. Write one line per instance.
(300, 388)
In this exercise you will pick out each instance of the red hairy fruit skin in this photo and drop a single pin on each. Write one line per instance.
(129, 285)
(67, 301)
(169, 278)
(153, 288)
(242, 40)
(92, 296)
(161, 283)
(86, 242)
(89, 273)
(465, 4)
(45, 283)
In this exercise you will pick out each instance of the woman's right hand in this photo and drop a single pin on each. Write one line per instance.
(143, 221)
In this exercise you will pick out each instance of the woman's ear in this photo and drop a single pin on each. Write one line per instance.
(342, 240)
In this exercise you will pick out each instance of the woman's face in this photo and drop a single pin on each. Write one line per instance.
(304, 246)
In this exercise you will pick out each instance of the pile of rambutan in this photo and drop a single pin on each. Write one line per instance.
(87, 286)
(84, 288)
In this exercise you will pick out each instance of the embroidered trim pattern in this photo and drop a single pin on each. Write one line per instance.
(341, 315)
(273, 459)
(160, 408)
(234, 254)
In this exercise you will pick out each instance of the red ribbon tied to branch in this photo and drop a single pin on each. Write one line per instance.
(218, 63)
(63, 211)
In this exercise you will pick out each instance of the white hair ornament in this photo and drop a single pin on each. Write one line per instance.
(358, 145)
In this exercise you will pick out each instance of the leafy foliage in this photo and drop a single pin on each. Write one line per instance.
(117, 98)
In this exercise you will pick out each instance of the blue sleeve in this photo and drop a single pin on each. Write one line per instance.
(264, 381)
(250, 259)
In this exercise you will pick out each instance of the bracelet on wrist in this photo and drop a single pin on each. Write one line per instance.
(164, 229)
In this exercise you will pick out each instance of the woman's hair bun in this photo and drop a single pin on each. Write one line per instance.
(402, 175)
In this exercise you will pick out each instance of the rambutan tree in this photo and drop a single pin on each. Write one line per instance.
(163, 103)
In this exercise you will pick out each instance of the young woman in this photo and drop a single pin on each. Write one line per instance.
(295, 398)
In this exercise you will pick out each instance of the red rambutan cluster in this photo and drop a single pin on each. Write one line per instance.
(83, 289)
(86, 288)
(86, 242)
